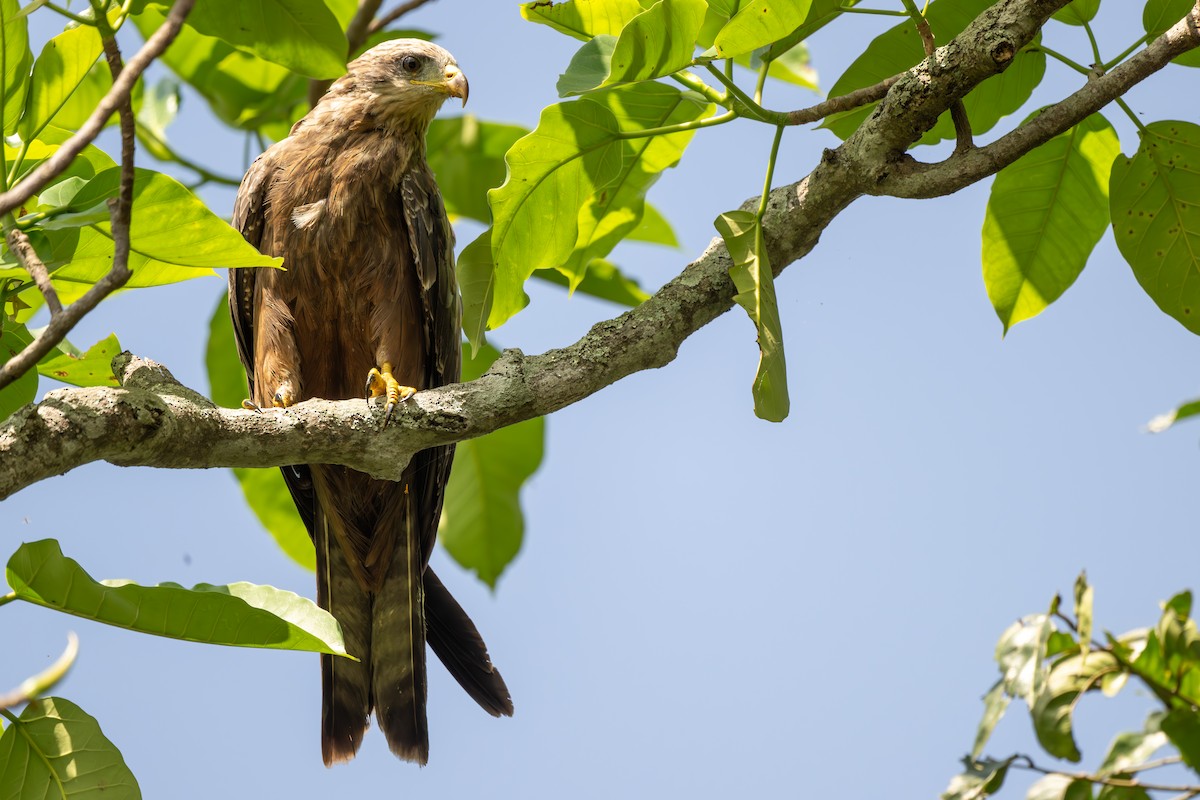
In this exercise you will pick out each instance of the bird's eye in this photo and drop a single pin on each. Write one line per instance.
(410, 63)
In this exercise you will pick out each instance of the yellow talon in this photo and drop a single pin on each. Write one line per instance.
(380, 383)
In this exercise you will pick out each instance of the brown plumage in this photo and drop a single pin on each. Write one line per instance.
(349, 202)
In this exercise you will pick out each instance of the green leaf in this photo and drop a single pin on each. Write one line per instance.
(1123, 793)
(239, 614)
(482, 525)
(1164, 421)
(13, 340)
(981, 778)
(93, 368)
(657, 42)
(302, 35)
(1060, 787)
(1155, 206)
(995, 703)
(16, 59)
(1045, 215)
(477, 283)
(755, 283)
(760, 23)
(1084, 599)
(793, 66)
(900, 48)
(1182, 726)
(264, 489)
(55, 749)
(615, 212)
(603, 280)
(60, 69)
(1131, 750)
(1020, 653)
(589, 67)
(467, 155)
(584, 19)
(1054, 706)
(1079, 12)
(160, 104)
(1159, 15)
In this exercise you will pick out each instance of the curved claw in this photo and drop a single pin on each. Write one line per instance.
(284, 396)
(380, 383)
(250, 405)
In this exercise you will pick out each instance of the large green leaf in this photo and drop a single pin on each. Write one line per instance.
(603, 280)
(576, 155)
(759, 23)
(1159, 15)
(1057, 786)
(302, 35)
(1053, 709)
(1131, 750)
(901, 48)
(15, 61)
(1046, 213)
(1020, 653)
(62, 66)
(239, 614)
(584, 19)
(755, 283)
(995, 703)
(93, 368)
(657, 42)
(482, 525)
(1182, 726)
(1079, 12)
(467, 155)
(56, 750)
(13, 340)
(1155, 206)
(244, 90)
(264, 489)
(981, 778)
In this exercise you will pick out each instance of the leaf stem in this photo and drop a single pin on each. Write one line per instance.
(91, 23)
(1125, 53)
(1132, 116)
(766, 193)
(752, 109)
(8, 598)
(883, 12)
(1095, 46)
(694, 83)
(664, 130)
(1057, 56)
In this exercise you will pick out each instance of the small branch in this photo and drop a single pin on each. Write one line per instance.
(27, 257)
(37, 178)
(121, 207)
(393, 15)
(1026, 763)
(834, 105)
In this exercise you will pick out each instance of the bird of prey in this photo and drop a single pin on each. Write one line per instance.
(367, 293)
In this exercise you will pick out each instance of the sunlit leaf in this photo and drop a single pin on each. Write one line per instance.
(1020, 653)
(467, 156)
(62, 66)
(93, 368)
(1131, 750)
(1182, 726)
(15, 338)
(302, 35)
(1054, 706)
(995, 703)
(482, 525)
(56, 750)
(603, 280)
(1059, 787)
(584, 19)
(16, 60)
(654, 228)
(759, 23)
(1084, 600)
(160, 104)
(1164, 421)
(755, 283)
(981, 778)
(1046, 213)
(238, 614)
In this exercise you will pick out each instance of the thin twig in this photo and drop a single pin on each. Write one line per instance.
(38, 177)
(27, 257)
(1120, 783)
(834, 105)
(395, 14)
(121, 209)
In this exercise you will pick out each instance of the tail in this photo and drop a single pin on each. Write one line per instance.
(398, 646)
(345, 684)
(458, 644)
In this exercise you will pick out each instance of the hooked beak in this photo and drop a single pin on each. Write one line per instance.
(456, 83)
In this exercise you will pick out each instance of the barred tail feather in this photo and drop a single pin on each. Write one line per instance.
(345, 684)
(398, 654)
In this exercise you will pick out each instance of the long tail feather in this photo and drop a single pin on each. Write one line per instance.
(398, 651)
(456, 641)
(345, 684)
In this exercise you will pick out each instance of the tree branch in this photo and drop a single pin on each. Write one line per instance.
(154, 421)
(32, 183)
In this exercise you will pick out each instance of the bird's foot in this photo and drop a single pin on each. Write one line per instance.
(380, 383)
(285, 396)
(250, 405)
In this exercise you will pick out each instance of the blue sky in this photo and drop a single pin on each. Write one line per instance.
(706, 604)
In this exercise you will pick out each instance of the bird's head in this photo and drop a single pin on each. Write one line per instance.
(408, 79)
